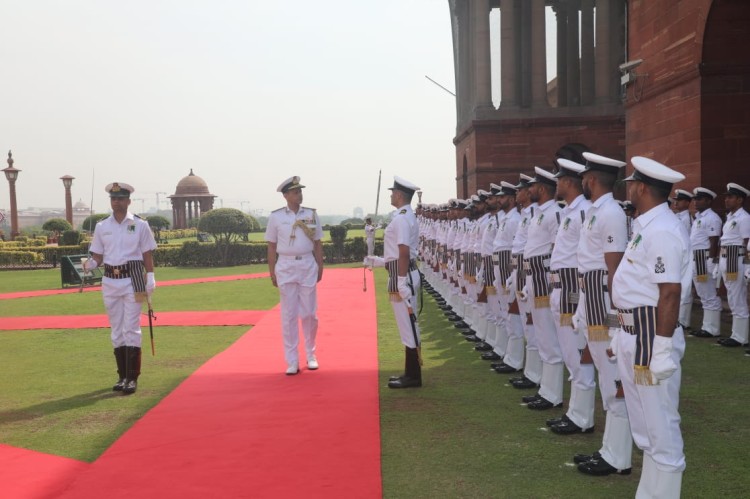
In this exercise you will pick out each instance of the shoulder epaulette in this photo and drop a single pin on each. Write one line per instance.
(402, 211)
(138, 217)
(583, 216)
(557, 215)
(532, 212)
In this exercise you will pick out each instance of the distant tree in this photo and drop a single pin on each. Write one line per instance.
(57, 226)
(157, 223)
(338, 236)
(226, 225)
(89, 223)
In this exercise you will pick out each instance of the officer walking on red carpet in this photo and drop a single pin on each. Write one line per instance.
(400, 243)
(124, 244)
(295, 262)
(650, 344)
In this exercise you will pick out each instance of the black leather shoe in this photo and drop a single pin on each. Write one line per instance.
(569, 428)
(527, 399)
(600, 467)
(729, 342)
(703, 334)
(554, 421)
(483, 347)
(472, 338)
(491, 356)
(446, 308)
(542, 405)
(394, 378)
(506, 369)
(585, 458)
(467, 331)
(524, 384)
(460, 324)
(456, 318)
(405, 382)
(130, 386)
(516, 379)
(440, 302)
(119, 385)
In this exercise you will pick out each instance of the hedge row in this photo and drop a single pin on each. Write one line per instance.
(191, 254)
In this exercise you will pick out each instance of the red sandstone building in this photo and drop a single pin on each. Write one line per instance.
(685, 104)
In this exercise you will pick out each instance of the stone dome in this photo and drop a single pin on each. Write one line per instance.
(192, 185)
(80, 206)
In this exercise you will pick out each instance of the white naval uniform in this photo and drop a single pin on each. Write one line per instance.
(706, 225)
(403, 229)
(605, 231)
(370, 237)
(736, 229)
(532, 365)
(120, 243)
(572, 341)
(658, 253)
(539, 243)
(506, 229)
(686, 300)
(296, 277)
(490, 309)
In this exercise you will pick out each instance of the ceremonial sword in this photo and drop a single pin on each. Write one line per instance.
(151, 317)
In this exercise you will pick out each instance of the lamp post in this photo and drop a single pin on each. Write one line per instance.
(12, 174)
(68, 183)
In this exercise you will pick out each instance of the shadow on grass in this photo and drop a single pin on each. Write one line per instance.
(65, 404)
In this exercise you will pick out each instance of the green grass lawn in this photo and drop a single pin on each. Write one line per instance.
(463, 434)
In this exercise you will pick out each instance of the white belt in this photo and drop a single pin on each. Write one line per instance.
(294, 257)
(626, 319)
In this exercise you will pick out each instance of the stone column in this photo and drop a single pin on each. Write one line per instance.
(538, 56)
(587, 52)
(574, 67)
(602, 53)
(508, 55)
(482, 79)
(561, 11)
(525, 45)
(464, 56)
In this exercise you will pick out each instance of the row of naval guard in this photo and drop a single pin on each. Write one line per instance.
(584, 284)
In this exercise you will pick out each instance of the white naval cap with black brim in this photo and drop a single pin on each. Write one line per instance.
(652, 172)
(289, 184)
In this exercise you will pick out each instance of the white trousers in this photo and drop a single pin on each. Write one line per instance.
(297, 279)
(533, 364)
(711, 304)
(653, 410)
(582, 376)
(551, 388)
(123, 311)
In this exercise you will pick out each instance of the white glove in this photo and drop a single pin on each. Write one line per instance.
(89, 264)
(403, 288)
(714, 269)
(747, 274)
(612, 350)
(150, 282)
(523, 295)
(374, 261)
(511, 281)
(662, 366)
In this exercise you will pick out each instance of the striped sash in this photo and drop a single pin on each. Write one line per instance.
(537, 267)
(138, 279)
(392, 268)
(701, 269)
(641, 322)
(521, 273)
(567, 281)
(505, 265)
(732, 254)
(594, 284)
(489, 275)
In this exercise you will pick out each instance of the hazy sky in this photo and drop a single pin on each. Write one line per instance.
(246, 93)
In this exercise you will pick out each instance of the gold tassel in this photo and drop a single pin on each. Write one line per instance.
(541, 302)
(642, 376)
(490, 290)
(731, 276)
(701, 278)
(566, 319)
(598, 333)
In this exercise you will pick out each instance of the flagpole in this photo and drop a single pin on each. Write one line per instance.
(377, 198)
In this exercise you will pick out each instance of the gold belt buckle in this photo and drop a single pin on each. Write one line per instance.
(116, 271)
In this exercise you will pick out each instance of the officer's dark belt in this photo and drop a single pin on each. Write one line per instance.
(116, 271)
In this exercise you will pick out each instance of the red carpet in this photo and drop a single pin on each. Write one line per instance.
(198, 318)
(177, 282)
(238, 427)
(28, 474)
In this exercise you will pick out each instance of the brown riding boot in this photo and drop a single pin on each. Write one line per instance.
(133, 369)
